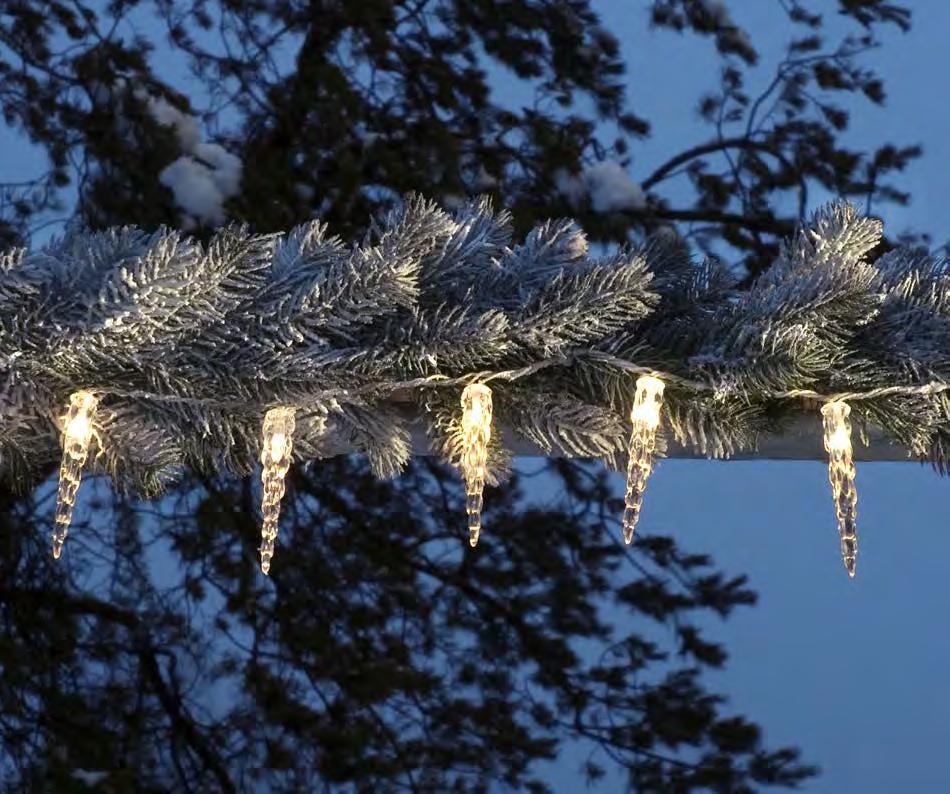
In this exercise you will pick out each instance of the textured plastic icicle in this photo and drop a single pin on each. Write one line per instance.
(645, 417)
(476, 430)
(77, 435)
(841, 473)
(276, 451)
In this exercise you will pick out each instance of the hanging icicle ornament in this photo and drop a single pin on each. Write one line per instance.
(645, 416)
(276, 449)
(841, 472)
(476, 432)
(77, 435)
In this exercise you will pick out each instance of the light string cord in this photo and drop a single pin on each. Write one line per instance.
(510, 375)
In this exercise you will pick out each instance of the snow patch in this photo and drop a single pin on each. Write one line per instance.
(612, 189)
(197, 188)
(165, 113)
(226, 167)
(205, 176)
(571, 186)
(606, 183)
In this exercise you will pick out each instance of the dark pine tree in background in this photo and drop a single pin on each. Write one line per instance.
(382, 654)
(337, 109)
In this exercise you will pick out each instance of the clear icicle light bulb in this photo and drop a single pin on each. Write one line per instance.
(476, 431)
(646, 419)
(276, 449)
(841, 472)
(77, 435)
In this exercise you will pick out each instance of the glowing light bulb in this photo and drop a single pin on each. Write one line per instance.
(841, 473)
(276, 450)
(278, 444)
(77, 436)
(476, 433)
(645, 416)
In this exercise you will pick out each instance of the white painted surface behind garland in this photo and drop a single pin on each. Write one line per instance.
(802, 441)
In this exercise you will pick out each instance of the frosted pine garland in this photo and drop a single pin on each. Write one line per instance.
(187, 345)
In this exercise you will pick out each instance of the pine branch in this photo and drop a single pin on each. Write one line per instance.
(187, 345)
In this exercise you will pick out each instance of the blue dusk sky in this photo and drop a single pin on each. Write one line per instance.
(853, 672)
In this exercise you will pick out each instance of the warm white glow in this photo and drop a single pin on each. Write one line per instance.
(278, 444)
(77, 435)
(276, 451)
(476, 433)
(839, 440)
(645, 416)
(78, 428)
(841, 473)
(646, 405)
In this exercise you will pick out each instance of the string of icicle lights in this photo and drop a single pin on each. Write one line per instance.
(277, 433)
(163, 353)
